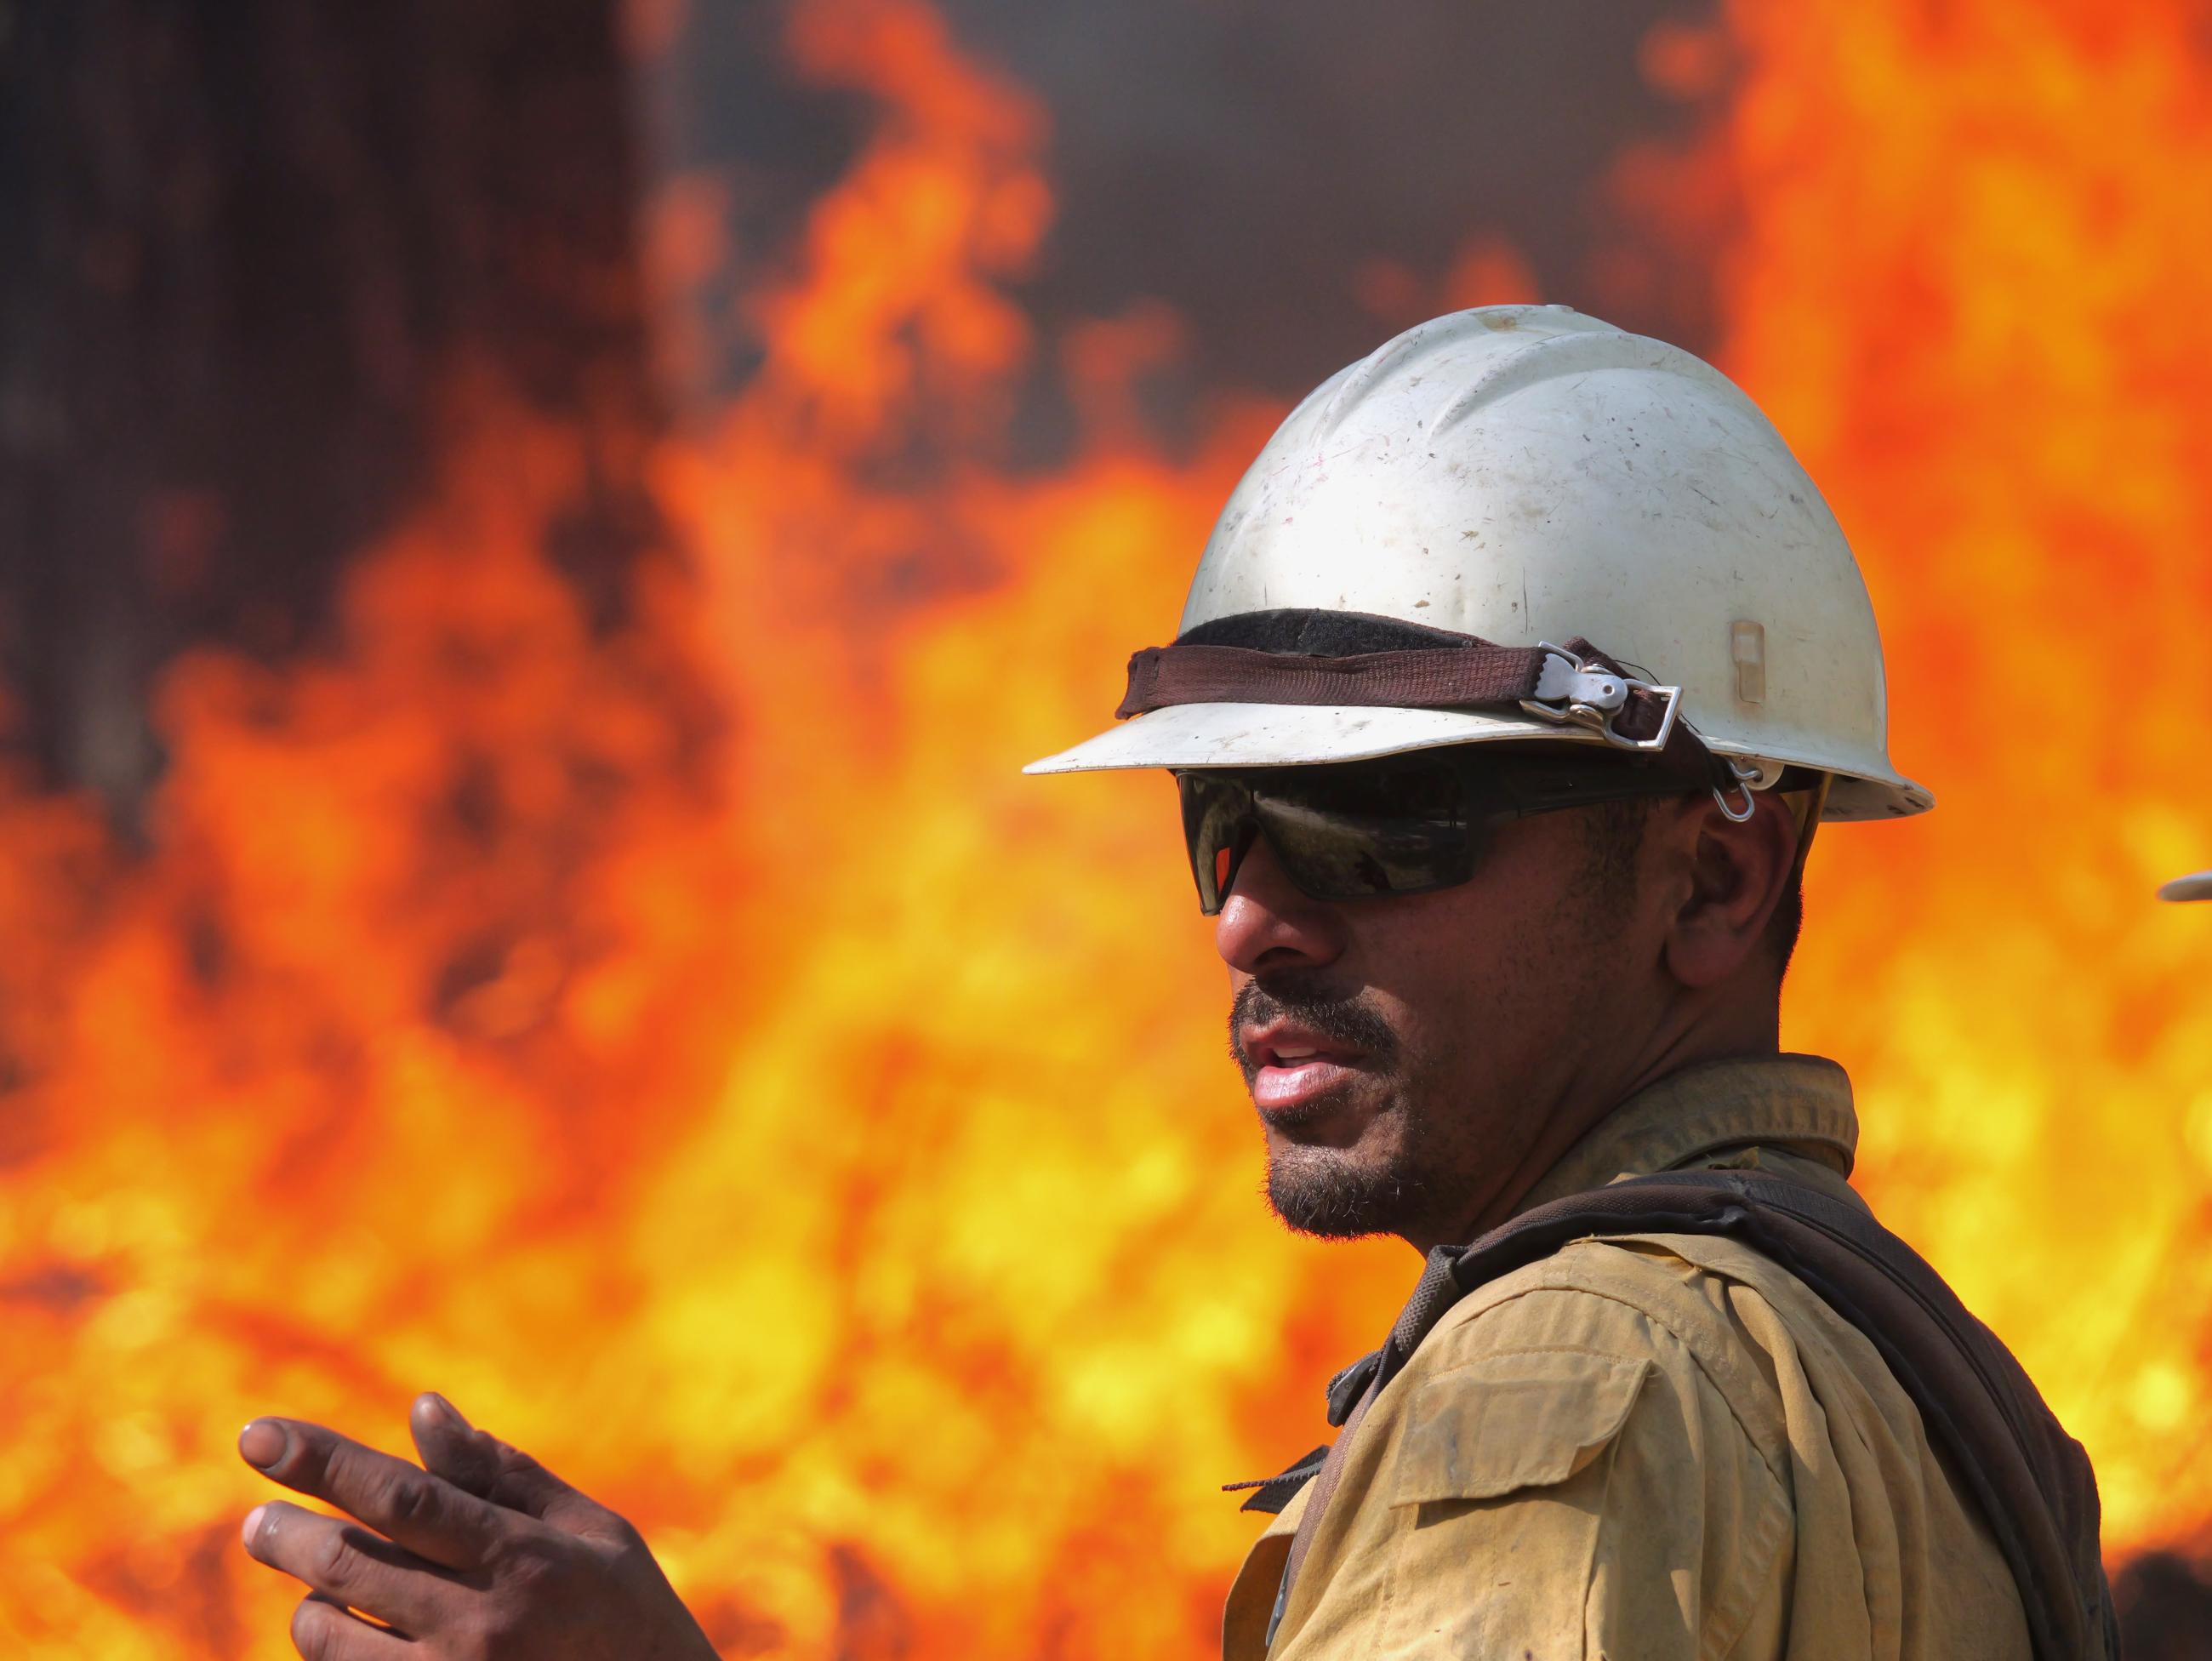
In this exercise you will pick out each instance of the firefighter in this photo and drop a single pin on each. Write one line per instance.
(1512, 684)
(1514, 681)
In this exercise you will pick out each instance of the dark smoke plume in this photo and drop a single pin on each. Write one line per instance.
(1263, 167)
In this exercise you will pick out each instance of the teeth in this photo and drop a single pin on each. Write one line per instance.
(1295, 1054)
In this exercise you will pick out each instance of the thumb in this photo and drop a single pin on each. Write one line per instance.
(479, 1463)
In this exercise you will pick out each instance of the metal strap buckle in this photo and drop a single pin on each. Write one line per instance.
(1744, 777)
(1571, 693)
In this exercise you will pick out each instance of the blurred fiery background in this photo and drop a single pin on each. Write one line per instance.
(534, 538)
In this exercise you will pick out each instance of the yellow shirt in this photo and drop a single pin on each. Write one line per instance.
(1647, 1447)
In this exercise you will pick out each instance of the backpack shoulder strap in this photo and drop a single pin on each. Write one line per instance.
(2032, 1481)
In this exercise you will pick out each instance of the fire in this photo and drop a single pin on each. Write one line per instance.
(1969, 288)
(694, 1047)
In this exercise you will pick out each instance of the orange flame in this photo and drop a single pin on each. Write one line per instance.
(1970, 290)
(698, 1052)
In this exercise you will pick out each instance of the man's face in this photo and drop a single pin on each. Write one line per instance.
(1407, 1054)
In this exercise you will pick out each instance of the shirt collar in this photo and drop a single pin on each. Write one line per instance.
(1801, 1105)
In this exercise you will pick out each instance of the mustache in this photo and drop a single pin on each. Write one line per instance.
(1292, 998)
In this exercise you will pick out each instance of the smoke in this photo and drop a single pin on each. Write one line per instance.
(2165, 1602)
(1294, 179)
(1258, 163)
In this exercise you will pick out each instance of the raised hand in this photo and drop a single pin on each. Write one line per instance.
(485, 1556)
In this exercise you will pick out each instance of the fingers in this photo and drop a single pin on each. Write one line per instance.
(479, 1463)
(359, 1570)
(450, 1448)
(323, 1630)
(426, 1514)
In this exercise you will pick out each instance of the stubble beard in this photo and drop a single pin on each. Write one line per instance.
(1326, 1193)
(1415, 1181)
(1329, 1192)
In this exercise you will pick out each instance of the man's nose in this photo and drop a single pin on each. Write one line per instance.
(1265, 923)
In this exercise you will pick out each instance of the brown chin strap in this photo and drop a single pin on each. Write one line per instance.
(1571, 686)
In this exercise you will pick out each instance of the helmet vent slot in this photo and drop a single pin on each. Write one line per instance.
(1747, 651)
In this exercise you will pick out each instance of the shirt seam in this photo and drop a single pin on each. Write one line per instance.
(1597, 1534)
(1728, 1615)
(1749, 1584)
(1721, 1625)
(1665, 1325)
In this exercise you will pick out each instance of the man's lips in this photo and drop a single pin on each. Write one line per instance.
(1288, 1065)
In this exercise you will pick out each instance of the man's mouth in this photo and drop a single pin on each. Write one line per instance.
(1288, 1066)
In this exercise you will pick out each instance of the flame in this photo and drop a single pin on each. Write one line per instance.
(1969, 288)
(692, 1046)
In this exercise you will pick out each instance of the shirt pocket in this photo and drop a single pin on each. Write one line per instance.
(1505, 1422)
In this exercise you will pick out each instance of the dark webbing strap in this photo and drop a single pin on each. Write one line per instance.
(1427, 678)
(2032, 1481)
(1419, 668)
(1449, 671)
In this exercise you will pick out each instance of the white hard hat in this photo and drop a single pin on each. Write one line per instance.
(2197, 887)
(1526, 475)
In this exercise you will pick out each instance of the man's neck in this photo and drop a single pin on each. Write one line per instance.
(1581, 1109)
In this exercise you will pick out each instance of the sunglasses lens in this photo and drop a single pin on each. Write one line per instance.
(1339, 833)
(1407, 825)
(1219, 827)
(1350, 833)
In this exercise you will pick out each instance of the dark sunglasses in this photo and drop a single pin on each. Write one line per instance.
(1406, 824)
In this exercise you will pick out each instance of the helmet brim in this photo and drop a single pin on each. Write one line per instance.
(1310, 735)
(1283, 735)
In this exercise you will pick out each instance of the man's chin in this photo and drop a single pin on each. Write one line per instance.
(1329, 1192)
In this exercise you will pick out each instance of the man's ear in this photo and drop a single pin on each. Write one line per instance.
(1737, 875)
